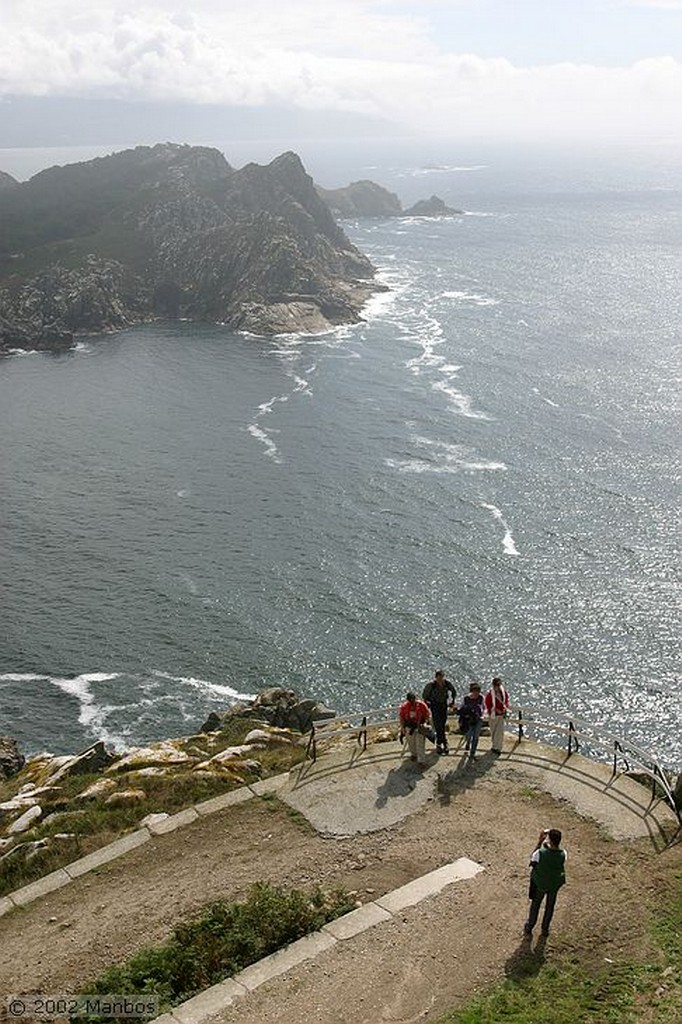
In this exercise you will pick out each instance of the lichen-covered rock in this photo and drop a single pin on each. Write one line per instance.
(160, 755)
(97, 789)
(126, 796)
(25, 821)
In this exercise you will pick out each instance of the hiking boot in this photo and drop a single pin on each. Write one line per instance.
(439, 749)
(446, 749)
(527, 930)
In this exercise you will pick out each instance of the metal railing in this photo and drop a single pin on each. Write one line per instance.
(570, 733)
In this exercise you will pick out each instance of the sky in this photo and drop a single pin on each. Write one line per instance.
(545, 68)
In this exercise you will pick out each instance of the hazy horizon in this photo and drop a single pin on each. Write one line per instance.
(474, 69)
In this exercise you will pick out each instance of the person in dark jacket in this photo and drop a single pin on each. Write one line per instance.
(548, 874)
(440, 695)
(471, 718)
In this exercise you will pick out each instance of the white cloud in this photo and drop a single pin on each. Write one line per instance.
(359, 55)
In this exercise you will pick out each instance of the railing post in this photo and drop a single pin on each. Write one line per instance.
(572, 738)
(312, 744)
(520, 716)
(362, 735)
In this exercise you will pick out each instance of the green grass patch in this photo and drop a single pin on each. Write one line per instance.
(583, 988)
(226, 938)
(94, 823)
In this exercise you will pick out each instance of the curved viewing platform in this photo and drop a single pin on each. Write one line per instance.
(570, 757)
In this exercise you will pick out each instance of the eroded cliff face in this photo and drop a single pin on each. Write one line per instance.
(168, 231)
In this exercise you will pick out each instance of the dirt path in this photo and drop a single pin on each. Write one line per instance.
(410, 969)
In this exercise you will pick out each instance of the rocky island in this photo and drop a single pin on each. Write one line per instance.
(172, 231)
(367, 199)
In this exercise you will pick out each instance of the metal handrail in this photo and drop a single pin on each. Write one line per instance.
(579, 733)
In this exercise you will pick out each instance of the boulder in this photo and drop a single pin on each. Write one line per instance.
(100, 788)
(164, 754)
(94, 759)
(11, 758)
(278, 707)
(268, 737)
(27, 819)
(126, 796)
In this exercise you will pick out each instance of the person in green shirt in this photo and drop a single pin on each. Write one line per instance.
(548, 874)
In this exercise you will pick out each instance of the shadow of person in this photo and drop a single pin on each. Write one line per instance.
(399, 782)
(526, 961)
(462, 775)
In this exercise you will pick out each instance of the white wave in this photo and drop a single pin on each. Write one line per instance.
(419, 172)
(301, 385)
(23, 352)
(475, 297)
(182, 493)
(447, 458)
(21, 677)
(508, 540)
(205, 686)
(92, 715)
(462, 403)
(378, 304)
(266, 441)
(266, 407)
(438, 468)
(545, 399)
(81, 346)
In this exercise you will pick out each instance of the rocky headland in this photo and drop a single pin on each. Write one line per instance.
(172, 231)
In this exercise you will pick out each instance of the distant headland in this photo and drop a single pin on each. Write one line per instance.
(172, 231)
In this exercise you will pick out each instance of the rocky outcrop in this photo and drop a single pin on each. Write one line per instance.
(433, 207)
(278, 707)
(11, 758)
(361, 199)
(367, 199)
(170, 231)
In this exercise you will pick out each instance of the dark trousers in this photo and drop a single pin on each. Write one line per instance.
(439, 714)
(535, 903)
(473, 732)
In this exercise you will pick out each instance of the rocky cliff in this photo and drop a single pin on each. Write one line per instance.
(169, 231)
(367, 199)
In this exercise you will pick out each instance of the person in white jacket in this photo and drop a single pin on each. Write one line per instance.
(497, 709)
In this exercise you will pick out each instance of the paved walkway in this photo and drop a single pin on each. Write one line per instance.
(349, 791)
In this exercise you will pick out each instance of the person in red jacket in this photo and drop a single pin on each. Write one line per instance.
(497, 709)
(413, 714)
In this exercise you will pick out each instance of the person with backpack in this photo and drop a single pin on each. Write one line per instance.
(497, 709)
(414, 717)
(548, 874)
(440, 695)
(471, 718)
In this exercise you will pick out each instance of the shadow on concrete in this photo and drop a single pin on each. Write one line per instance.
(400, 782)
(463, 775)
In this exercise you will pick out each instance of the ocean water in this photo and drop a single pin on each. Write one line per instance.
(482, 476)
